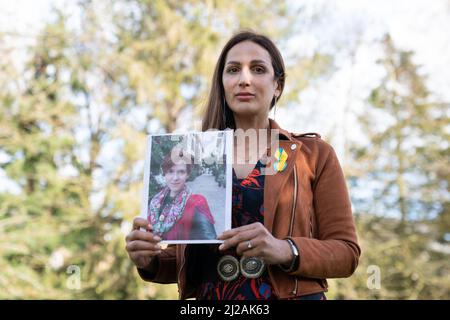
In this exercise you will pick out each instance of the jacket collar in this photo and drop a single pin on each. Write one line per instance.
(282, 133)
(286, 135)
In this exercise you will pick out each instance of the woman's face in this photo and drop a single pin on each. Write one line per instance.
(248, 80)
(176, 177)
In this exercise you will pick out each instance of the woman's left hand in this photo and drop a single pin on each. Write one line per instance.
(254, 240)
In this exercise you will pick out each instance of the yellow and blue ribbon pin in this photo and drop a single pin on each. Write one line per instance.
(281, 157)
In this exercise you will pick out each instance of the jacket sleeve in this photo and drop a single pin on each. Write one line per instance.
(202, 229)
(202, 208)
(163, 268)
(335, 252)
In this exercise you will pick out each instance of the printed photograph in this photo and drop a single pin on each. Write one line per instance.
(187, 186)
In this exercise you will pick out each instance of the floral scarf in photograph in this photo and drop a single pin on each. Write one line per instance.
(171, 212)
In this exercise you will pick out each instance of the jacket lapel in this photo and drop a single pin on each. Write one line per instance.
(274, 183)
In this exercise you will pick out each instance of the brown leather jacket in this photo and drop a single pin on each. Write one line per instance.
(307, 202)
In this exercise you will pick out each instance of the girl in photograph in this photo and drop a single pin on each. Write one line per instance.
(174, 212)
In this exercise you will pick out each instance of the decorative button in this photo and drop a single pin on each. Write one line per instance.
(293, 146)
(228, 268)
(252, 267)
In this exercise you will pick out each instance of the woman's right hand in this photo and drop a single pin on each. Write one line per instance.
(142, 246)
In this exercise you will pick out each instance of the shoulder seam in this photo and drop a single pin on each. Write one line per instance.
(307, 135)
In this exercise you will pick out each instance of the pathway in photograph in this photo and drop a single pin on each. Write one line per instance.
(208, 187)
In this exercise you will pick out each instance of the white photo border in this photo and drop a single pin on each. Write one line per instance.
(228, 135)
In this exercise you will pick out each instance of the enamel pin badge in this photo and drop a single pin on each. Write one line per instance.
(281, 157)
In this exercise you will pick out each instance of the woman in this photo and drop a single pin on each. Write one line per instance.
(174, 212)
(292, 229)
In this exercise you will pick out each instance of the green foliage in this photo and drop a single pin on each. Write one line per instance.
(410, 265)
(219, 174)
(404, 222)
(73, 126)
(408, 151)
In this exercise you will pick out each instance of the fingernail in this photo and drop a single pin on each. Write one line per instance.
(156, 238)
(221, 247)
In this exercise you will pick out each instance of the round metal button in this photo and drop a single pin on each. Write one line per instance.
(293, 146)
(252, 267)
(228, 268)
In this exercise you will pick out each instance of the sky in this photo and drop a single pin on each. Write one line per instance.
(352, 29)
(418, 25)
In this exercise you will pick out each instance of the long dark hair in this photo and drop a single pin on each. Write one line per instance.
(218, 115)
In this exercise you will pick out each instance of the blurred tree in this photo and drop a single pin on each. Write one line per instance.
(409, 138)
(72, 154)
(405, 165)
(170, 68)
(36, 120)
(73, 126)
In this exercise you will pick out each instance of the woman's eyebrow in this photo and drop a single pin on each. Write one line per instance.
(251, 62)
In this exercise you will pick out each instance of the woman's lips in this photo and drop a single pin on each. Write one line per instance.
(244, 97)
